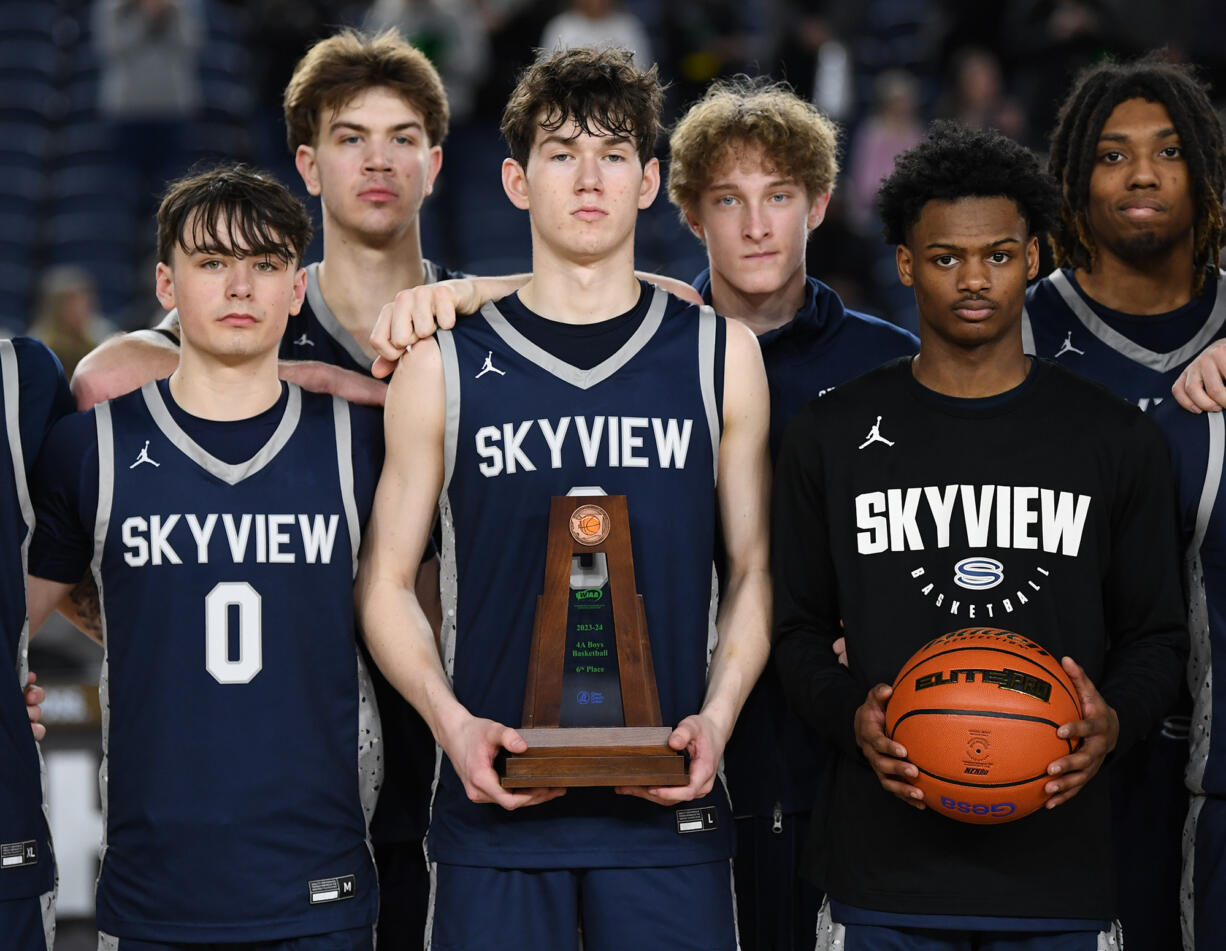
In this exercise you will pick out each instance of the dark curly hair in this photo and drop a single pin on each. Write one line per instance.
(1074, 146)
(600, 89)
(955, 162)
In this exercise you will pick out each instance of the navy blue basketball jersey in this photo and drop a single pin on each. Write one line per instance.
(241, 744)
(522, 426)
(314, 333)
(33, 393)
(1136, 357)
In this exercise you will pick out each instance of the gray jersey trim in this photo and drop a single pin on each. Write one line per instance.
(332, 327)
(1200, 658)
(706, 376)
(102, 522)
(583, 379)
(230, 474)
(451, 394)
(344, 466)
(10, 373)
(449, 595)
(1160, 362)
(370, 744)
(46, 904)
(1187, 877)
(1027, 333)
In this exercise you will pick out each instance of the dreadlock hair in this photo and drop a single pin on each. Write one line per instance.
(1074, 142)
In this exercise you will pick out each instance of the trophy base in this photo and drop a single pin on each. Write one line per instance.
(595, 756)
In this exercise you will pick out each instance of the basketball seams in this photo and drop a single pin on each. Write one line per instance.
(964, 666)
(955, 711)
(969, 785)
(997, 650)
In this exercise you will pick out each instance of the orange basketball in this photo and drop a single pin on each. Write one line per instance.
(978, 711)
(589, 525)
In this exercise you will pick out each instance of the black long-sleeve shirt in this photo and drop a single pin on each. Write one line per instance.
(1063, 494)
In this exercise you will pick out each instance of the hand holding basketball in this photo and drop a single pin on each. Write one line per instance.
(887, 758)
(1099, 730)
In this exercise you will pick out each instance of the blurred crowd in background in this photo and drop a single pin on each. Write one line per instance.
(101, 102)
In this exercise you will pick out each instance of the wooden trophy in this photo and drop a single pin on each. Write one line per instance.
(591, 709)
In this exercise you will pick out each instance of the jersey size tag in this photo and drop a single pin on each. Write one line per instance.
(18, 854)
(324, 890)
(702, 819)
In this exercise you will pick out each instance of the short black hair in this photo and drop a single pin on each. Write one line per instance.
(232, 209)
(955, 162)
(1074, 146)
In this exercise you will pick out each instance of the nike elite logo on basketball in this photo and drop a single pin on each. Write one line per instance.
(1000, 516)
(615, 441)
(272, 539)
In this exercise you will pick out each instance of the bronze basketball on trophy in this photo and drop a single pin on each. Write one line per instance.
(591, 709)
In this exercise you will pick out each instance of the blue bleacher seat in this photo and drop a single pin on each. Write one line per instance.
(29, 19)
(24, 144)
(28, 99)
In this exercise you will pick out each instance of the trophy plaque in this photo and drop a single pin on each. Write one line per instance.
(591, 709)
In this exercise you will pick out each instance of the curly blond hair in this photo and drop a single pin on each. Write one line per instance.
(743, 113)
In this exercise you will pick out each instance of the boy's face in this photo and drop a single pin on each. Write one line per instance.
(372, 165)
(231, 309)
(1140, 201)
(969, 261)
(582, 192)
(755, 223)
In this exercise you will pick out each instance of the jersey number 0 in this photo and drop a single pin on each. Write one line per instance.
(249, 660)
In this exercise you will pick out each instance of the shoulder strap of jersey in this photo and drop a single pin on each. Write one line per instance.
(707, 337)
(10, 371)
(328, 320)
(10, 374)
(451, 392)
(1213, 476)
(344, 465)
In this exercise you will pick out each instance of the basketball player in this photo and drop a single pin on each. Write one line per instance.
(1140, 155)
(751, 169)
(220, 513)
(885, 485)
(33, 395)
(366, 118)
(603, 382)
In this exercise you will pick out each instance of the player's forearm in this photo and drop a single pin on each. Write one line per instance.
(743, 625)
(326, 378)
(121, 365)
(402, 644)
